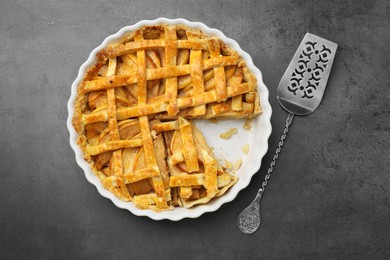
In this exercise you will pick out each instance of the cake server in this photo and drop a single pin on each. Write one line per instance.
(300, 92)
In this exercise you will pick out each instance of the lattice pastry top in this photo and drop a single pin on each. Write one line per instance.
(133, 108)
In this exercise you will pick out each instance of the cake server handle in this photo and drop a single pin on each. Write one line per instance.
(249, 219)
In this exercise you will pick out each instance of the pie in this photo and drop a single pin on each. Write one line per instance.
(134, 114)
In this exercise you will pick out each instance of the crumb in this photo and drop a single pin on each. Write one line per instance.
(237, 164)
(228, 165)
(232, 167)
(245, 148)
(229, 133)
(247, 124)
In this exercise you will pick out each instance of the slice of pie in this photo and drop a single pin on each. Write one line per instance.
(134, 107)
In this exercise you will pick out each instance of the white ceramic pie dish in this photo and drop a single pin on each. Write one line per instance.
(230, 150)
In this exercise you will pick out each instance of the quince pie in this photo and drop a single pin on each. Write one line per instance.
(134, 110)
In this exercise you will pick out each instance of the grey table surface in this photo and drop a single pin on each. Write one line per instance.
(327, 199)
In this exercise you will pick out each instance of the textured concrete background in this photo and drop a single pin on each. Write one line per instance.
(328, 197)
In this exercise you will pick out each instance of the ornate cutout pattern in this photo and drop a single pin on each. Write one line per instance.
(312, 63)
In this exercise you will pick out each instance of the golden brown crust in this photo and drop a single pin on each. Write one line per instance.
(132, 109)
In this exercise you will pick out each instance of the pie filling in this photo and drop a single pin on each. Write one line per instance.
(134, 111)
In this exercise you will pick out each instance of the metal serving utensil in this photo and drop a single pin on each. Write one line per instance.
(300, 92)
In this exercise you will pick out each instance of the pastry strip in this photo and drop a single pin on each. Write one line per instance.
(210, 181)
(144, 121)
(147, 109)
(145, 173)
(189, 151)
(116, 159)
(196, 62)
(156, 73)
(170, 59)
(112, 145)
(219, 72)
(119, 49)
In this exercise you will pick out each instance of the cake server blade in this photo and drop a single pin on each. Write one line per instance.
(302, 86)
